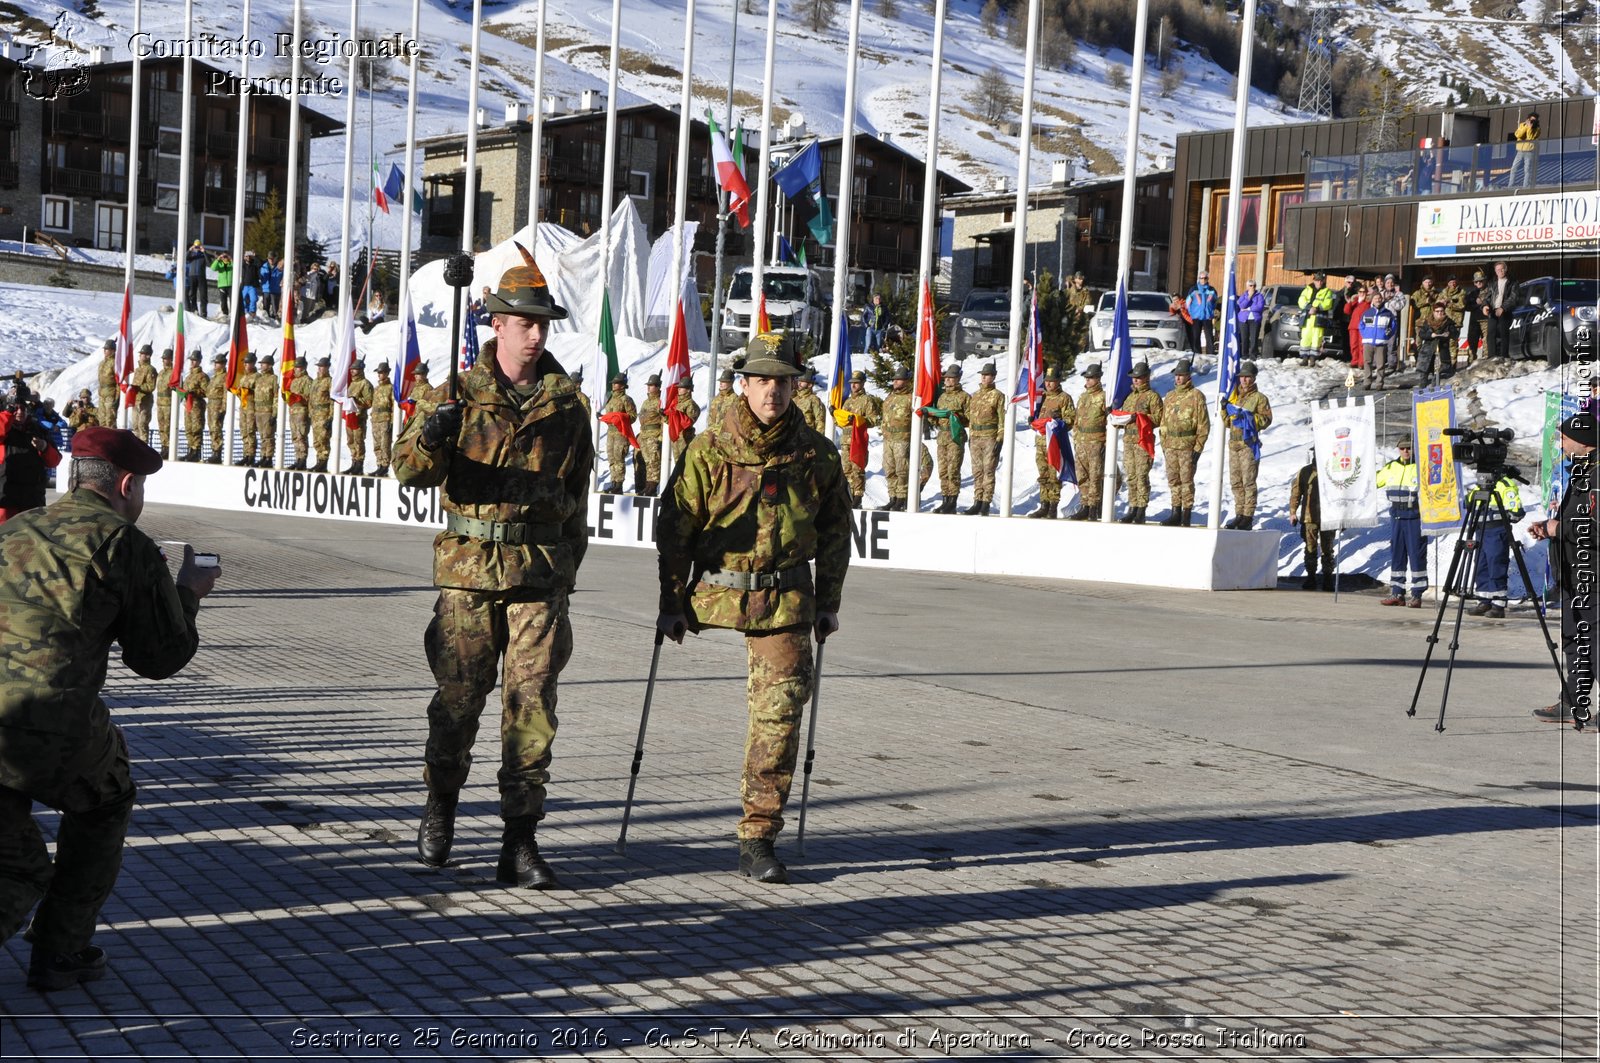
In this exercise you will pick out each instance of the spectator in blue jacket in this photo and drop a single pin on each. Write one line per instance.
(271, 287)
(1252, 308)
(1202, 307)
(195, 300)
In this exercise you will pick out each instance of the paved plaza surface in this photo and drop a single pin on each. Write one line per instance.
(1047, 820)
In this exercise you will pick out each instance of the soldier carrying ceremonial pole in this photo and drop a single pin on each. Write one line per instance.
(759, 495)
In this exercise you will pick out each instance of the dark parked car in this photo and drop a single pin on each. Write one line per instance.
(983, 326)
(1555, 320)
(1280, 328)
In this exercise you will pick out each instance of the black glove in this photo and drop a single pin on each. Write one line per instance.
(442, 425)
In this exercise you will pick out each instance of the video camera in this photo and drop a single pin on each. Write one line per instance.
(1485, 449)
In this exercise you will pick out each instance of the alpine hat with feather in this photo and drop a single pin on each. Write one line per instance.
(524, 292)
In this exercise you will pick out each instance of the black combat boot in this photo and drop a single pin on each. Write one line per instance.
(321, 466)
(1050, 511)
(757, 860)
(1310, 582)
(353, 470)
(651, 487)
(1044, 511)
(215, 459)
(948, 505)
(1247, 521)
(1127, 516)
(855, 501)
(1083, 513)
(978, 508)
(299, 464)
(438, 829)
(896, 505)
(62, 970)
(1327, 581)
(1138, 515)
(381, 470)
(520, 862)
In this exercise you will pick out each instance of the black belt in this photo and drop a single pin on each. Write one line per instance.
(495, 531)
(757, 581)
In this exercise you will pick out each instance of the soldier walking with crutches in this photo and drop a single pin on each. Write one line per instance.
(757, 496)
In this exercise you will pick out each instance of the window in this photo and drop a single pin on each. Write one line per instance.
(168, 140)
(639, 184)
(1249, 220)
(55, 212)
(167, 199)
(1281, 202)
(110, 226)
(214, 230)
(114, 168)
(55, 153)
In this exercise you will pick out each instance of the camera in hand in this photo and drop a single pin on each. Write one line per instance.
(1485, 449)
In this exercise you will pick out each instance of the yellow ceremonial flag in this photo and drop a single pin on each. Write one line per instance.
(1438, 477)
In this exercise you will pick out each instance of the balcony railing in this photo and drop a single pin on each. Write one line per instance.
(73, 123)
(10, 175)
(66, 181)
(576, 170)
(8, 112)
(875, 256)
(1470, 168)
(890, 207)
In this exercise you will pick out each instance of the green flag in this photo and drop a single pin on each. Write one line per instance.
(738, 148)
(608, 338)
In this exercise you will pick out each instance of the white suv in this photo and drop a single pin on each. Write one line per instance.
(1151, 322)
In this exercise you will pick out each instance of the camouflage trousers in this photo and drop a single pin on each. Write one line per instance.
(1316, 538)
(217, 415)
(107, 410)
(985, 459)
(194, 428)
(1242, 467)
(1181, 460)
(1136, 468)
(854, 475)
(299, 430)
(1049, 479)
(472, 636)
(322, 435)
(781, 675)
(88, 781)
(616, 456)
(164, 423)
(950, 454)
(356, 443)
(141, 421)
(897, 465)
(247, 432)
(1089, 452)
(267, 433)
(650, 451)
(382, 431)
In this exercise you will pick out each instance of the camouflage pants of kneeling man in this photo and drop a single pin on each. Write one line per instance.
(781, 675)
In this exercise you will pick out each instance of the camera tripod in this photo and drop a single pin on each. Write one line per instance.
(1461, 576)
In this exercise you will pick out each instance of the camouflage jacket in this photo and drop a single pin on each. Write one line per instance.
(1051, 404)
(1184, 414)
(687, 406)
(1091, 414)
(986, 411)
(383, 399)
(954, 402)
(650, 418)
(144, 382)
(1257, 404)
(716, 516)
(621, 404)
(201, 386)
(588, 408)
(164, 388)
(526, 464)
(866, 408)
(244, 386)
(322, 397)
(361, 393)
(265, 396)
(1146, 402)
(300, 388)
(83, 417)
(74, 578)
(1080, 303)
(896, 414)
(425, 396)
(811, 408)
(1305, 502)
(108, 377)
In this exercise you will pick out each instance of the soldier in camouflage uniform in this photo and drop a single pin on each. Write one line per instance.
(382, 419)
(616, 442)
(164, 390)
(647, 473)
(298, 397)
(196, 385)
(1055, 403)
(1080, 308)
(512, 459)
(74, 578)
(322, 414)
(810, 405)
(1135, 459)
(216, 409)
(83, 414)
(423, 395)
(723, 396)
(108, 395)
(1185, 427)
(143, 386)
(1305, 510)
(758, 496)
(264, 402)
(986, 411)
(576, 376)
(897, 443)
(689, 412)
(865, 411)
(244, 386)
(1089, 443)
(952, 407)
(361, 395)
(1242, 462)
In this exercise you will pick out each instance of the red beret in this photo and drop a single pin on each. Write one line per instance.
(118, 446)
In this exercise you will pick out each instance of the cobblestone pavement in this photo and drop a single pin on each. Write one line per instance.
(1047, 820)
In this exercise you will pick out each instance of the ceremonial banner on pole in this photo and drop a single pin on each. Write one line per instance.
(1552, 468)
(1438, 477)
(1346, 441)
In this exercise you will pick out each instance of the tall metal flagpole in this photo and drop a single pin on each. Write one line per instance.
(536, 140)
(930, 237)
(347, 290)
(186, 157)
(724, 199)
(130, 231)
(847, 169)
(291, 223)
(239, 171)
(1019, 261)
(1230, 353)
(680, 213)
(1130, 184)
(398, 372)
(601, 387)
(763, 184)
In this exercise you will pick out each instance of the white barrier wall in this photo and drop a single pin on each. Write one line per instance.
(1145, 555)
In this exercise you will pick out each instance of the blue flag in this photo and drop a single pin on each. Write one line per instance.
(410, 357)
(469, 341)
(1228, 370)
(800, 172)
(1121, 353)
(785, 251)
(1058, 451)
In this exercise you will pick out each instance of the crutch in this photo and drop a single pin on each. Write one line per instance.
(638, 748)
(811, 749)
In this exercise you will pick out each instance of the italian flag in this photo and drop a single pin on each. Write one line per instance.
(729, 176)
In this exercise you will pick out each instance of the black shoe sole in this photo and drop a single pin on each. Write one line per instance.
(533, 880)
(775, 877)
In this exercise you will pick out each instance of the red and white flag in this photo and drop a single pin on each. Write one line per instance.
(927, 374)
(124, 360)
(676, 376)
(729, 177)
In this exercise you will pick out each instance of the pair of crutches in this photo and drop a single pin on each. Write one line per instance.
(644, 721)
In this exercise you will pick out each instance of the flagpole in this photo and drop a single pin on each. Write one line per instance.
(536, 137)
(930, 235)
(724, 203)
(135, 106)
(231, 417)
(1130, 184)
(608, 189)
(185, 155)
(291, 225)
(847, 169)
(1019, 261)
(758, 228)
(1227, 366)
(398, 373)
(340, 360)
(681, 207)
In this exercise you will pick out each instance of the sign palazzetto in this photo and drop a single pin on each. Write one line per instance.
(1189, 558)
(1534, 223)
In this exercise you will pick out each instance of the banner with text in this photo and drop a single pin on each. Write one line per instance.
(1530, 223)
(1346, 441)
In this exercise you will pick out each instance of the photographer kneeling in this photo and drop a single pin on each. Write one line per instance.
(1571, 533)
